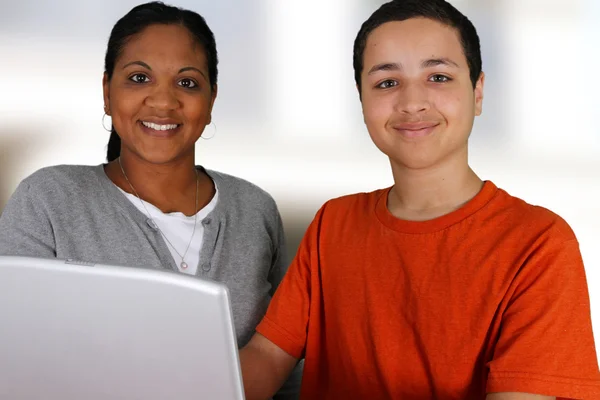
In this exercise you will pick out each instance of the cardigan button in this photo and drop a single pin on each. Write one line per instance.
(152, 224)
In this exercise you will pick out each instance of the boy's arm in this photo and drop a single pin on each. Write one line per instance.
(546, 344)
(265, 367)
(280, 342)
(517, 396)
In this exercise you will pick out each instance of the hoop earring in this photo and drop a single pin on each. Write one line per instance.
(215, 132)
(104, 126)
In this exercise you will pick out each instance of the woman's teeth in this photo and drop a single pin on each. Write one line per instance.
(158, 127)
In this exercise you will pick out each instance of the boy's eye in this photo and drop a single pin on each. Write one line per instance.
(387, 84)
(439, 78)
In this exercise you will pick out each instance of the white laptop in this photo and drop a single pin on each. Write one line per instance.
(75, 331)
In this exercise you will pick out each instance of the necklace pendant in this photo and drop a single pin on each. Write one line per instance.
(183, 265)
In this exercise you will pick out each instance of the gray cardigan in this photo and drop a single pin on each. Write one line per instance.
(77, 212)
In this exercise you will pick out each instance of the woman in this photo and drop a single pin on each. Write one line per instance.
(150, 205)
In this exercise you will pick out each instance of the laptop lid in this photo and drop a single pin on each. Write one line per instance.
(72, 330)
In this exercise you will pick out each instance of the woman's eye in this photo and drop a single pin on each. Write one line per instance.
(439, 79)
(139, 78)
(387, 84)
(187, 83)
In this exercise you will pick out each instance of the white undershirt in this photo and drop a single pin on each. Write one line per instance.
(178, 228)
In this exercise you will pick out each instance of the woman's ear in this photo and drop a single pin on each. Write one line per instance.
(105, 92)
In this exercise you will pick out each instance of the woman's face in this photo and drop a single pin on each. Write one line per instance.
(160, 97)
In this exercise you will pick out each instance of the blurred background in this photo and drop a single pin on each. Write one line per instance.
(288, 117)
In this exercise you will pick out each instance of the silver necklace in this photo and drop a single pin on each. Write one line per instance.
(183, 264)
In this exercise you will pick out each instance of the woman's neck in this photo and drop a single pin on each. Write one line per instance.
(171, 187)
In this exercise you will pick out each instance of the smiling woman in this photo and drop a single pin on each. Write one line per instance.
(150, 205)
(159, 90)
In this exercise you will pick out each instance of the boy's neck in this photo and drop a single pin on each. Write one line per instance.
(428, 193)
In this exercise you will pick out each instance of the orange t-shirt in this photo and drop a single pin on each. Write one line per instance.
(489, 298)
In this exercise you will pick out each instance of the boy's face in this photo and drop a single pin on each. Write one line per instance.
(417, 97)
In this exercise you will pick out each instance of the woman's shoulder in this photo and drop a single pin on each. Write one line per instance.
(245, 193)
(61, 179)
(57, 190)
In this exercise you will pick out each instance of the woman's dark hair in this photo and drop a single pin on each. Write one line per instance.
(138, 19)
(437, 10)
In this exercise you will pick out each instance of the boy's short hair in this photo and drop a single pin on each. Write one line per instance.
(437, 10)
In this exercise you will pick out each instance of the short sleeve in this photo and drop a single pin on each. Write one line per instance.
(286, 321)
(25, 229)
(546, 344)
(291, 388)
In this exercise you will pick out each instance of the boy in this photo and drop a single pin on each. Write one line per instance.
(442, 286)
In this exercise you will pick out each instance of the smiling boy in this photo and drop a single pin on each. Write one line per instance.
(443, 286)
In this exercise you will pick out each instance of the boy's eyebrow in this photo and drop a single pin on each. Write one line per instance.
(431, 62)
(434, 62)
(385, 67)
